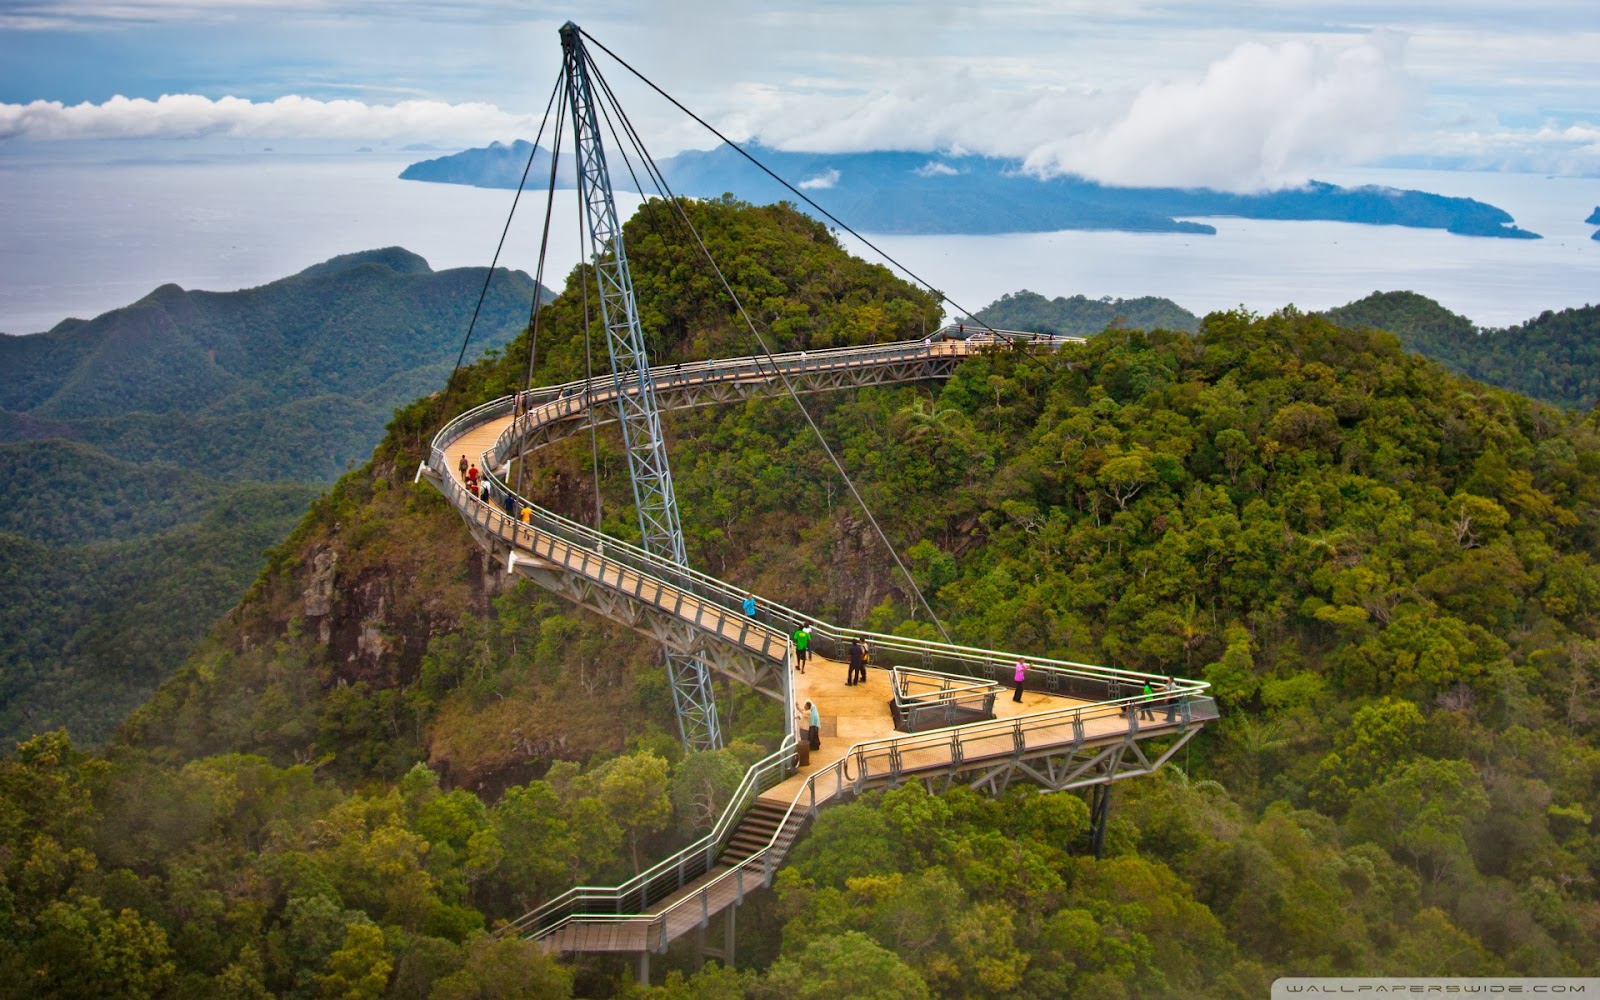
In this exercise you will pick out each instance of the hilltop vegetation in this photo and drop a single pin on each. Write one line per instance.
(228, 382)
(1554, 357)
(1080, 316)
(1387, 572)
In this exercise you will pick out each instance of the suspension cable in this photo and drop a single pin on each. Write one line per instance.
(501, 246)
(794, 190)
(588, 353)
(538, 284)
(788, 384)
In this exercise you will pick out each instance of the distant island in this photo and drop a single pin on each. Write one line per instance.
(922, 193)
(1594, 217)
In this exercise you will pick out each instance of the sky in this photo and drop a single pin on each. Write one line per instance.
(1232, 94)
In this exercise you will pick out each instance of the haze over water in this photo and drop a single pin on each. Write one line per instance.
(81, 239)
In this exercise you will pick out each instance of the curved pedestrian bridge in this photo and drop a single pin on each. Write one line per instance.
(1077, 725)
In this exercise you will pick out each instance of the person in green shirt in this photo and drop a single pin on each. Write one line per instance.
(802, 645)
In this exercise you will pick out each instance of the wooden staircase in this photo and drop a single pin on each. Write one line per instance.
(755, 832)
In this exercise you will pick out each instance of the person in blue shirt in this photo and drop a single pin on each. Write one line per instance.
(750, 605)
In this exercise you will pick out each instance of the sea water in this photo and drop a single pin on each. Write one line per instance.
(1264, 266)
(79, 239)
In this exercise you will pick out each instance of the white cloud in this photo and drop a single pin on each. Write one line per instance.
(827, 179)
(934, 168)
(173, 116)
(1569, 151)
(1263, 117)
(88, 14)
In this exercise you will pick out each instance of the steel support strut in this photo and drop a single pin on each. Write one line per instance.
(635, 392)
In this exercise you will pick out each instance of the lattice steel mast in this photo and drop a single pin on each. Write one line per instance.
(637, 413)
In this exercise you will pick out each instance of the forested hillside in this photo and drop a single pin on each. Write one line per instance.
(1554, 357)
(291, 380)
(1387, 572)
(135, 447)
(1080, 316)
(110, 571)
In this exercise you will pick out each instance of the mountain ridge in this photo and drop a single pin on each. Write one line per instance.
(1554, 356)
(184, 434)
(205, 362)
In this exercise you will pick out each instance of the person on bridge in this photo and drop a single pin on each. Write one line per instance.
(1021, 678)
(750, 605)
(858, 663)
(463, 466)
(802, 643)
(472, 478)
(814, 722)
(527, 515)
(1147, 713)
(1171, 691)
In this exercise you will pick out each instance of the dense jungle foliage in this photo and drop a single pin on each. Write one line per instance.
(1554, 357)
(110, 574)
(1081, 316)
(1386, 571)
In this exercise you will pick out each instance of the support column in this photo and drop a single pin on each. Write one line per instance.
(642, 970)
(725, 954)
(1099, 813)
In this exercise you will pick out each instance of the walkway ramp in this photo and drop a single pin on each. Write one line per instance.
(1077, 724)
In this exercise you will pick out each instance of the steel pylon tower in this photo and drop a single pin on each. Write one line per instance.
(638, 416)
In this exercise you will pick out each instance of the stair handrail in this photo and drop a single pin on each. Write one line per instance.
(762, 855)
(768, 856)
(704, 849)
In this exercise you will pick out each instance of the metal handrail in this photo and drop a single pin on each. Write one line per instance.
(705, 586)
(762, 855)
(1185, 699)
(768, 857)
(708, 586)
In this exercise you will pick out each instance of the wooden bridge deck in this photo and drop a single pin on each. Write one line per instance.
(555, 551)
